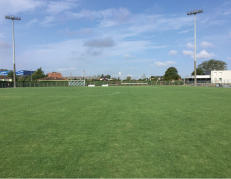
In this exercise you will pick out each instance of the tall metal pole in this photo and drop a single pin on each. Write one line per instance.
(195, 54)
(195, 45)
(13, 18)
(14, 55)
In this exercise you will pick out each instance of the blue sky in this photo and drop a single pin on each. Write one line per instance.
(134, 37)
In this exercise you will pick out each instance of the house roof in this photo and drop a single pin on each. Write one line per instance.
(4, 77)
(59, 75)
(51, 79)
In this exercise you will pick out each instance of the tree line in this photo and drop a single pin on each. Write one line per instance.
(35, 76)
(170, 74)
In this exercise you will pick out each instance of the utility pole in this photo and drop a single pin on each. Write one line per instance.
(13, 18)
(195, 58)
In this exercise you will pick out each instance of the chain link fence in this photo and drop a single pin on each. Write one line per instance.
(219, 85)
(6, 84)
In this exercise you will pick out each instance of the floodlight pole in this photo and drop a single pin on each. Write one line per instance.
(195, 54)
(195, 45)
(13, 18)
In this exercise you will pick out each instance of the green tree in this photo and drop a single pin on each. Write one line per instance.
(153, 78)
(213, 65)
(171, 74)
(129, 78)
(102, 76)
(24, 78)
(200, 71)
(27, 78)
(4, 70)
(11, 74)
(108, 76)
(21, 78)
(38, 74)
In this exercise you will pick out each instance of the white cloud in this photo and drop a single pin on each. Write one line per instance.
(68, 32)
(168, 63)
(189, 45)
(110, 17)
(128, 56)
(47, 20)
(5, 45)
(204, 54)
(85, 31)
(2, 36)
(184, 31)
(72, 68)
(229, 58)
(172, 52)
(65, 69)
(56, 7)
(226, 13)
(62, 69)
(188, 52)
(206, 44)
(8, 7)
(201, 55)
(31, 22)
(98, 43)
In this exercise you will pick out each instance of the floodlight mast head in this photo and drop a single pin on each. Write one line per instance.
(12, 17)
(195, 12)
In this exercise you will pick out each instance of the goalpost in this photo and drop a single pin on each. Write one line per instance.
(76, 82)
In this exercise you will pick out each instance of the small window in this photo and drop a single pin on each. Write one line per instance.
(220, 79)
(220, 73)
(215, 73)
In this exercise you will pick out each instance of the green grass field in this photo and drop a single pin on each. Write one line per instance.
(77, 132)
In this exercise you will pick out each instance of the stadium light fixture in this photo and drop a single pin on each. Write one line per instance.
(195, 58)
(13, 18)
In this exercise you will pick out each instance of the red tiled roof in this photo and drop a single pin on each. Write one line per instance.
(59, 75)
(51, 78)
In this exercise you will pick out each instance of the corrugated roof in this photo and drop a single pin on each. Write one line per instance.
(4, 77)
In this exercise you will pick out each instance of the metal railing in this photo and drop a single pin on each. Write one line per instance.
(6, 84)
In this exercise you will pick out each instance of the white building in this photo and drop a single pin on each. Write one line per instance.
(5, 78)
(211, 77)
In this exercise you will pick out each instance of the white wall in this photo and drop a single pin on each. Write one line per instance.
(221, 76)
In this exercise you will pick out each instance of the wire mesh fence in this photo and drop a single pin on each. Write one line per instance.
(218, 85)
(6, 84)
